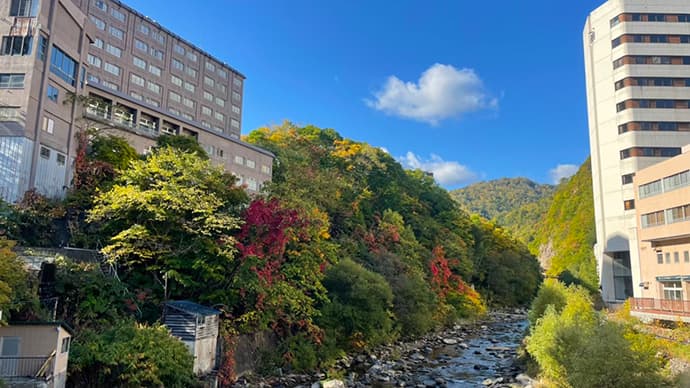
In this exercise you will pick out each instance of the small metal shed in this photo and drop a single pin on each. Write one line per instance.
(197, 327)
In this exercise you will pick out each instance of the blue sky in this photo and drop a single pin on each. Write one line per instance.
(482, 89)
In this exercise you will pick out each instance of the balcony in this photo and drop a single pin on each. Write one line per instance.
(31, 367)
(667, 309)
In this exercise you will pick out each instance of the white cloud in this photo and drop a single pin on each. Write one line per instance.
(446, 173)
(562, 171)
(441, 92)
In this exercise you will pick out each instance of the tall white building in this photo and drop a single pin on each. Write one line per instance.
(637, 58)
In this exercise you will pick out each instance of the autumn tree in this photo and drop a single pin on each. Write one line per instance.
(172, 216)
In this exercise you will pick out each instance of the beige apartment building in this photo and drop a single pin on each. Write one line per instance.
(637, 64)
(662, 195)
(143, 80)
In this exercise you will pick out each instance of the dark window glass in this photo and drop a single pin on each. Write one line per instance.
(618, 63)
(616, 42)
(620, 106)
(643, 103)
(16, 45)
(629, 204)
(676, 258)
(665, 104)
(685, 39)
(63, 65)
(659, 258)
(669, 151)
(623, 128)
(686, 60)
(667, 126)
(619, 85)
(627, 178)
(657, 39)
(24, 8)
(42, 47)
(11, 81)
(646, 126)
(640, 60)
(655, 17)
(52, 93)
(663, 82)
(636, 17)
(638, 38)
(625, 154)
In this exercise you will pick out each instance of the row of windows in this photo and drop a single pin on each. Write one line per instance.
(652, 81)
(152, 51)
(651, 60)
(112, 30)
(650, 17)
(63, 65)
(24, 8)
(653, 126)
(60, 158)
(100, 4)
(652, 104)
(649, 152)
(668, 216)
(660, 256)
(649, 38)
(664, 185)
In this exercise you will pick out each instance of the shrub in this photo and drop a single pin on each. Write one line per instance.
(359, 312)
(130, 355)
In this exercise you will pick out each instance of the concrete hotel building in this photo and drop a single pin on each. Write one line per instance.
(662, 194)
(637, 58)
(144, 79)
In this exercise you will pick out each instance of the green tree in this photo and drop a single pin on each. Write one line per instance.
(130, 355)
(16, 293)
(182, 143)
(172, 215)
(114, 150)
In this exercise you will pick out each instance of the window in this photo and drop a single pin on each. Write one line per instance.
(653, 219)
(208, 96)
(628, 178)
(48, 125)
(206, 110)
(154, 87)
(658, 39)
(210, 66)
(64, 347)
(667, 126)
(672, 290)
(155, 70)
(209, 81)
(629, 204)
(616, 42)
(45, 153)
(144, 29)
(117, 15)
(188, 103)
(24, 8)
(52, 93)
(94, 60)
(137, 80)
(11, 81)
(100, 4)
(620, 106)
(223, 74)
(665, 104)
(63, 65)
(113, 50)
(667, 256)
(187, 116)
(618, 63)
(659, 258)
(98, 43)
(191, 56)
(152, 102)
(234, 123)
(93, 78)
(61, 160)
(116, 32)
(686, 256)
(157, 36)
(265, 169)
(141, 45)
(649, 189)
(677, 181)
(222, 88)
(112, 69)
(16, 45)
(138, 62)
(251, 184)
(110, 85)
(42, 47)
(237, 82)
(676, 257)
(236, 109)
(176, 80)
(189, 87)
(191, 72)
(250, 163)
(614, 22)
(643, 103)
(174, 111)
(158, 54)
(177, 64)
(174, 97)
(236, 96)
(220, 102)
(178, 49)
(136, 96)
(100, 24)
(655, 17)
(219, 116)
(239, 160)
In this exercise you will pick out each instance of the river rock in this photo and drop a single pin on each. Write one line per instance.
(332, 384)
(450, 341)
(487, 382)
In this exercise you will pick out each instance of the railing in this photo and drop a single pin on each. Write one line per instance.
(22, 26)
(662, 305)
(24, 366)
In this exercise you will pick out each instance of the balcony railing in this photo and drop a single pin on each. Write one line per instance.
(24, 366)
(660, 305)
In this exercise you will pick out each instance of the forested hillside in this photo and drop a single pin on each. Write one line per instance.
(495, 199)
(565, 236)
(343, 251)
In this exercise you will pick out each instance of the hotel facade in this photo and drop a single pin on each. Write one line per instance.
(637, 64)
(139, 80)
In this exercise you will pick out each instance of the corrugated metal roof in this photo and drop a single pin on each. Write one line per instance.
(192, 308)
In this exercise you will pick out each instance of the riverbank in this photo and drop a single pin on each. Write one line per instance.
(481, 353)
